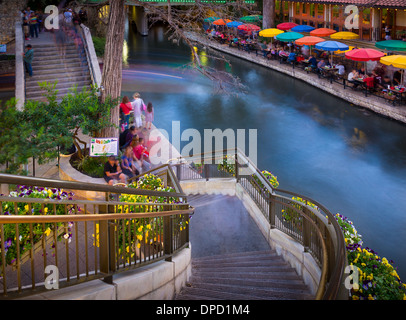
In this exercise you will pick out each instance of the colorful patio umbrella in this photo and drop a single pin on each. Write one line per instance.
(345, 35)
(252, 18)
(331, 46)
(221, 22)
(398, 61)
(364, 55)
(322, 32)
(392, 45)
(270, 33)
(234, 24)
(286, 25)
(289, 36)
(309, 41)
(249, 27)
(303, 28)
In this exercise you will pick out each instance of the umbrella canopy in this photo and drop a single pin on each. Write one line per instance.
(289, 36)
(322, 32)
(331, 46)
(252, 18)
(270, 33)
(364, 55)
(233, 24)
(309, 41)
(286, 25)
(303, 28)
(346, 35)
(398, 61)
(249, 27)
(221, 22)
(211, 19)
(393, 45)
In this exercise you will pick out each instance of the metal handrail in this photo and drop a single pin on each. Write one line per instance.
(327, 289)
(73, 185)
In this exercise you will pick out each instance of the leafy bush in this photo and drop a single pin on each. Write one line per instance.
(99, 45)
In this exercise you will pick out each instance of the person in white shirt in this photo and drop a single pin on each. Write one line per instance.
(341, 69)
(138, 106)
(353, 74)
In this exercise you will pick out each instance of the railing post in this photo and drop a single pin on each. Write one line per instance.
(272, 210)
(306, 230)
(206, 171)
(107, 244)
(237, 173)
(168, 237)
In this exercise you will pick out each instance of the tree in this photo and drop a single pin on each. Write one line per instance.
(113, 62)
(268, 14)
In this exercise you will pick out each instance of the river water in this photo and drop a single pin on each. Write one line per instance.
(349, 159)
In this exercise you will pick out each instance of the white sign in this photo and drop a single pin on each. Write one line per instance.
(103, 147)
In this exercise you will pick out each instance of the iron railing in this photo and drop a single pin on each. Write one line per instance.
(300, 217)
(84, 239)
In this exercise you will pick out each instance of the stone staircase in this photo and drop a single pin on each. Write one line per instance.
(231, 260)
(49, 66)
(256, 275)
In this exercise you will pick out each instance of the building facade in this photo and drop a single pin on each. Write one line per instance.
(373, 16)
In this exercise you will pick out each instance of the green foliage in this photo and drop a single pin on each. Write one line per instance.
(42, 126)
(92, 166)
(99, 45)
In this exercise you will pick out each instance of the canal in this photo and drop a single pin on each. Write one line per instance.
(349, 159)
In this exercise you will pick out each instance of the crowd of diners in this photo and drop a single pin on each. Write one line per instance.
(382, 81)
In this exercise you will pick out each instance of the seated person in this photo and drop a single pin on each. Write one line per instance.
(397, 78)
(353, 74)
(300, 58)
(321, 64)
(361, 71)
(377, 78)
(386, 83)
(292, 57)
(112, 171)
(370, 82)
(341, 69)
(130, 134)
(139, 156)
(313, 62)
(127, 163)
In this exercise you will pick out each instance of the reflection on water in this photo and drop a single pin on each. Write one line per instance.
(352, 161)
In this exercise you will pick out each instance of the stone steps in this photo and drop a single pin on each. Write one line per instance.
(69, 71)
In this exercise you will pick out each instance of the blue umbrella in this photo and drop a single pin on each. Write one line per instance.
(303, 28)
(331, 46)
(234, 24)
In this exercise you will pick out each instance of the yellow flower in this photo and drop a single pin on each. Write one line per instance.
(47, 232)
(45, 210)
(140, 228)
(149, 226)
(355, 298)
(370, 297)
(138, 245)
(26, 207)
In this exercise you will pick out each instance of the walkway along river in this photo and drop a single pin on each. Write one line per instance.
(349, 159)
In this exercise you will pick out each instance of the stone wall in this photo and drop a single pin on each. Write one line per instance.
(7, 66)
(9, 14)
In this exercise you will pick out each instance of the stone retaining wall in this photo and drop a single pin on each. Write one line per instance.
(9, 14)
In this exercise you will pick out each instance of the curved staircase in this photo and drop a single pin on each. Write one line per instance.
(234, 261)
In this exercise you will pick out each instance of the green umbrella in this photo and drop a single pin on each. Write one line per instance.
(289, 36)
(252, 18)
(391, 45)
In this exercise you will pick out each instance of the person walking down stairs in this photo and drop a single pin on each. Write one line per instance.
(28, 57)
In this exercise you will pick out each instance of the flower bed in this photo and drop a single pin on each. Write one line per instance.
(378, 279)
(38, 231)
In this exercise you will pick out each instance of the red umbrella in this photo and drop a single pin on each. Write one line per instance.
(364, 55)
(249, 27)
(286, 25)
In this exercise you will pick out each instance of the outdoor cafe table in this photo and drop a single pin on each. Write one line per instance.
(399, 94)
(330, 71)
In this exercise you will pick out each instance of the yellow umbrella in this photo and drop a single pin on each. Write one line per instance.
(344, 35)
(398, 61)
(270, 33)
(343, 51)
